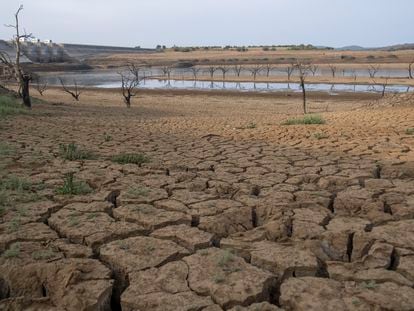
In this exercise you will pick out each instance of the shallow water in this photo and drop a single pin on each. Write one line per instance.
(110, 79)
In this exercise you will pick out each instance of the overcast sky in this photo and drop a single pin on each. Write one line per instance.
(215, 22)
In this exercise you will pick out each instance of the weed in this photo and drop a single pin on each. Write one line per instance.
(107, 137)
(307, 119)
(13, 251)
(10, 106)
(3, 199)
(320, 136)
(14, 225)
(409, 131)
(92, 216)
(73, 221)
(72, 152)
(43, 255)
(137, 192)
(203, 252)
(6, 150)
(251, 125)
(225, 258)
(72, 187)
(15, 183)
(369, 285)
(131, 158)
(219, 278)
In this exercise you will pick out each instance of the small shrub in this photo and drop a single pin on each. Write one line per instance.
(107, 137)
(72, 152)
(72, 187)
(131, 158)
(320, 136)
(225, 258)
(409, 131)
(307, 119)
(14, 225)
(251, 125)
(13, 251)
(369, 285)
(43, 255)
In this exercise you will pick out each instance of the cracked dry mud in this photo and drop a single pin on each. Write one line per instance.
(221, 218)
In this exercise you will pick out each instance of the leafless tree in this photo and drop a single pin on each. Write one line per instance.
(129, 82)
(211, 70)
(410, 69)
(303, 72)
(255, 70)
(313, 69)
(224, 70)
(268, 69)
(238, 69)
(333, 70)
(384, 84)
(40, 86)
(166, 70)
(289, 71)
(23, 79)
(195, 71)
(75, 93)
(134, 70)
(373, 70)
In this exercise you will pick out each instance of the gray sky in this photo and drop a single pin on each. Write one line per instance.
(215, 22)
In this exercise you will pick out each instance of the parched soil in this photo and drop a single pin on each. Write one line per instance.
(233, 210)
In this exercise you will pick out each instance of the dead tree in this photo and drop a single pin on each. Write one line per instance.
(373, 70)
(289, 71)
(268, 69)
(303, 72)
(238, 69)
(313, 69)
(255, 71)
(211, 70)
(166, 70)
(195, 72)
(384, 84)
(75, 93)
(333, 70)
(410, 69)
(224, 70)
(40, 86)
(129, 83)
(23, 79)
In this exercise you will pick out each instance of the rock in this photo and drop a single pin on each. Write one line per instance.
(92, 229)
(149, 217)
(351, 202)
(230, 221)
(139, 253)
(399, 233)
(406, 267)
(162, 289)
(189, 237)
(70, 284)
(284, 260)
(228, 279)
(13, 232)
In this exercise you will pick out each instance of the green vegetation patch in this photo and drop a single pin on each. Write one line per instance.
(10, 106)
(131, 158)
(72, 152)
(73, 187)
(307, 119)
(409, 131)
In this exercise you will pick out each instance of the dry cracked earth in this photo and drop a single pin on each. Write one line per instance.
(222, 217)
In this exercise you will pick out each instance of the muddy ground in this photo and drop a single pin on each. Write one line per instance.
(232, 211)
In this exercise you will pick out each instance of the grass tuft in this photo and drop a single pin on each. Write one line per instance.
(409, 131)
(320, 136)
(43, 255)
(73, 187)
(6, 150)
(307, 119)
(72, 152)
(131, 158)
(15, 183)
(13, 251)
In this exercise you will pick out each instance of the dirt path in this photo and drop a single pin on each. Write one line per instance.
(233, 211)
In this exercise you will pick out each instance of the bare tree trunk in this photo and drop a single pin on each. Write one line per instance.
(25, 91)
(302, 85)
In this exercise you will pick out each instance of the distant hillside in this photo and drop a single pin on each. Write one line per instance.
(397, 47)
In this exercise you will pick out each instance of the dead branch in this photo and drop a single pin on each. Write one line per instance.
(211, 70)
(313, 69)
(238, 69)
(128, 85)
(223, 70)
(75, 93)
(373, 70)
(40, 87)
(333, 70)
(255, 71)
(195, 71)
(303, 71)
